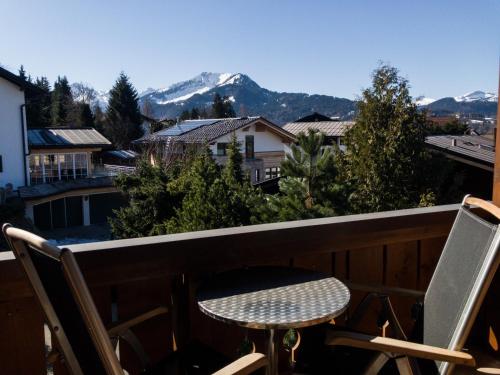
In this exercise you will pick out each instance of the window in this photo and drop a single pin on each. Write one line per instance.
(66, 165)
(257, 175)
(249, 147)
(51, 169)
(221, 149)
(272, 172)
(80, 165)
(46, 168)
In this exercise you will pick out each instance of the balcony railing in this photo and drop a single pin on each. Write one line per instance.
(126, 277)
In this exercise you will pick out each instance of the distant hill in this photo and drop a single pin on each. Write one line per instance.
(250, 99)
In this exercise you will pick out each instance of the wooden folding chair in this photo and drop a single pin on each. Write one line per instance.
(84, 344)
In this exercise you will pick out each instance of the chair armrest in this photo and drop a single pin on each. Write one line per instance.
(386, 290)
(485, 370)
(388, 345)
(244, 365)
(119, 328)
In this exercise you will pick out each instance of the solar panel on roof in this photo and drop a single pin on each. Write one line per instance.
(184, 127)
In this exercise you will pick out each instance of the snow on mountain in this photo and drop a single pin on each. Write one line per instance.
(184, 90)
(422, 100)
(477, 96)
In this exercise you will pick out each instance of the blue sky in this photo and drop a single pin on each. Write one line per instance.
(444, 48)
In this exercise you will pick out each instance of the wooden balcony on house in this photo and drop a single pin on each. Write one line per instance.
(126, 277)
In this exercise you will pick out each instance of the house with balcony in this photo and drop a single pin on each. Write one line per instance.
(67, 187)
(263, 143)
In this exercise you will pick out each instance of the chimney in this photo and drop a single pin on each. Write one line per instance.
(453, 142)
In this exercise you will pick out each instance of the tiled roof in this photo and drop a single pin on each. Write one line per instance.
(200, 131)
(473, 147)
(66, 138)
(330, 128)
(215, 130)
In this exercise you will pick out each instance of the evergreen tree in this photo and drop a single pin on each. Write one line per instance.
(309, 186)
(222, 107)
(123, 117)
(85, 117)
(150, 202)
(38, 104)
(185, 115)
(385, 155)
(215, 198)
(99, 119)
(22, 74)
(195, 114)
(62, 103)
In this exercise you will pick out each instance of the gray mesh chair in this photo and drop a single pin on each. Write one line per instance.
(456, 291)
(84, 344)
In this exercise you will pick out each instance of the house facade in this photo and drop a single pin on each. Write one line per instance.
(262, 143)
(66, 187)
(333, 129)
(13, 146)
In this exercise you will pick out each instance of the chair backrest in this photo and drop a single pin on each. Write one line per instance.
(70, 312)
(462, 277)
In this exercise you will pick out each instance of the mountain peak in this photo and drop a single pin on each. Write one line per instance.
(475, 96)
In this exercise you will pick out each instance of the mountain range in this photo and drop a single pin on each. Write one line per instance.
(248, 99)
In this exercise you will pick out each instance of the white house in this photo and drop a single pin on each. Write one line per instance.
(262, 142)
(13, 140)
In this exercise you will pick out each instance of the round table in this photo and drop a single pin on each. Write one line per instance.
(273, 298)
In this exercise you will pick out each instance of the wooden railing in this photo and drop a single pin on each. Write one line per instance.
(126, 277)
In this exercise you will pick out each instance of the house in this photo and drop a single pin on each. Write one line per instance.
(333, 129)
(66, 187)
(13, 145)
(262, 142)
(473, 156)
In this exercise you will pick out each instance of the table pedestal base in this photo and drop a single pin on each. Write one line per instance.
(272, 352)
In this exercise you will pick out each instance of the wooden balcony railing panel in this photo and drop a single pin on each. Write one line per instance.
(126, 277)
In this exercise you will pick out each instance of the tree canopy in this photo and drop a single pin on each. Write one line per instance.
(385, 158)
(123, 117)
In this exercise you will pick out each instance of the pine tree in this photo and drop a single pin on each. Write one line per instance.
(38, 104)
(222, 107)
(308, 187)
(185, 115)
(385, 155)
(99, 119)
(195, 114)
(22, 74)
(62, 103)
(85, 117)
(123, 117)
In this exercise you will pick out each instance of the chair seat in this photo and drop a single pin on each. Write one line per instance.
(195, 359)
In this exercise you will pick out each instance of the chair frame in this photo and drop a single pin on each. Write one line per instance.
(400, 349)
(104, 340)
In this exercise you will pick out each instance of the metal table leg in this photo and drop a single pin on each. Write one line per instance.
(272, 350)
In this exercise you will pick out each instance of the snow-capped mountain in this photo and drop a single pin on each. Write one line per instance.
(249, 99)
(246, 96)
(184, 90)
(423, 100)
(477, 96)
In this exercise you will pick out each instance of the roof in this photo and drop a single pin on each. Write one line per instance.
(315, 116)
(58, 187)
(329, 128)
(467, 147)
(222, 127)
(12, 78)
(66, 138)
(123, 154)
(207, 130)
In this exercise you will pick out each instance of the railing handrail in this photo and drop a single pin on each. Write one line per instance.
(154, 242)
